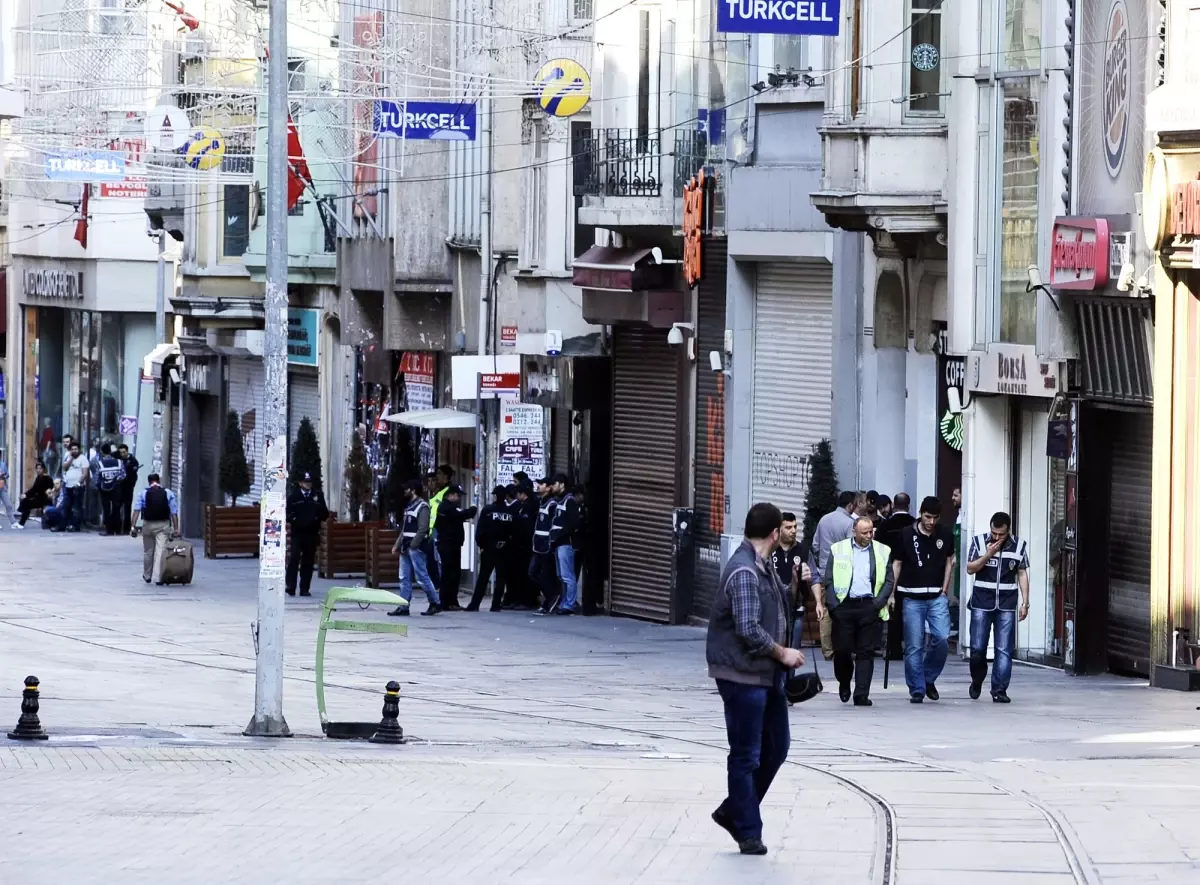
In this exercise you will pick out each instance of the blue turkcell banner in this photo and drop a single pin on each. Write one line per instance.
(84, 166)
(426, 120)
(799, 17)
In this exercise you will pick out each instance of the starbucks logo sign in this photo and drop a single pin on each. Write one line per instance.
(925, 57)
(1116, 82)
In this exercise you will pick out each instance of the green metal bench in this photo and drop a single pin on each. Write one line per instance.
(362, 597)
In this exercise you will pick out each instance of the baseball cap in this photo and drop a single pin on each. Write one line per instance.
(307, 477)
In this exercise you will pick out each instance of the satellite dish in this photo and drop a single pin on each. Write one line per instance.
(167, 128)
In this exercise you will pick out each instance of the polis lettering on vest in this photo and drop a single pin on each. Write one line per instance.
(1079, 254)
(800, 17)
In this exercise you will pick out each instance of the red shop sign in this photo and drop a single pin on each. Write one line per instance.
(1079, 256)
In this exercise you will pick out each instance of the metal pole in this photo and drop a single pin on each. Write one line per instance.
(268, 718)
(160, 297)
(485, 215)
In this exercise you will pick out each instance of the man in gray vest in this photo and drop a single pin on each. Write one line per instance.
(999, 561)
(748, 656)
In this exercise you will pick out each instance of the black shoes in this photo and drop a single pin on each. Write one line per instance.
(722, 820)
(975, 690)
(289, 591)
(400, 611)
(863, 702)
(305, 593)
(844, 692)
(432, 610)
(916, 698)
(752, 846)
(1001, 697)
(931, 692)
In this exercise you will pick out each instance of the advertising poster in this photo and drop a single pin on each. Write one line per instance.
(522, 443)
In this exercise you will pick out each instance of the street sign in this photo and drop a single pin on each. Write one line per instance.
(500, 386)
(798, 17)
(205, 149)
(508, 336)
(85, 166)
(425, 120)
(128, 425)
(167, 128)
(564, 87)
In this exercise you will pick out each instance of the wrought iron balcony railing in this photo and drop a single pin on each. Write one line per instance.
(617, 163)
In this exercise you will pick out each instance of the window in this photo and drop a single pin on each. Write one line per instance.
(1019, 171)
(581, 10)
(789, 53)
(643, 87)
(1021, 36)
(924, 82)
(235, 220)
(535, 196)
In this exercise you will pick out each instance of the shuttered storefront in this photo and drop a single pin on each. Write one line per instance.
(1129, 544)
(710, 429)
(793, 376)
(246, 384)
(560, 443)
(304, 401)
(644, 471)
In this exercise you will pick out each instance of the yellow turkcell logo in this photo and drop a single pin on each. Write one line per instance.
(205, 149)
(563, 86)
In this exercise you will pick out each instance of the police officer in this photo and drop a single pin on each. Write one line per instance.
(495, 530)
(562, 532)
(449, 539)
(306, 511)
(543, 571)
(415, 552)
(788, 560)
(520, 592)
(999, 562)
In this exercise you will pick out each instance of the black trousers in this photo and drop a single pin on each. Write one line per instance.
(491, 560)
(543, 573)
(855, 635)
(110, 511)
(127, 507)
(519, 588)
(451, 575)
(300, 560)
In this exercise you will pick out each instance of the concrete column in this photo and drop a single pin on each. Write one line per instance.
(848, 250)
(739, 390)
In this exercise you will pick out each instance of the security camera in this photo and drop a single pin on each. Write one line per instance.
(675, 336)
(1125, 280)
(1035, 278)
(714, 361)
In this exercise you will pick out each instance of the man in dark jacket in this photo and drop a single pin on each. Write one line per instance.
(493, 536)
(449, 540)
(306, 511)
(543, 569)
(748, 657)
(562, 533)
(127, 486)
(521, 593)
(889, 534)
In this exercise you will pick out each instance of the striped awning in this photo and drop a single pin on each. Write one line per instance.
(1117, 340)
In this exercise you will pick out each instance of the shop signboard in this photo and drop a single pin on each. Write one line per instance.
(52, 283)
(129, 189)
(522, 442)
(1013, 369)
(500, 385)
(418, 369)
(128, 425)
(85, 166)
(425, 120)
(302, 336)
(508, 336)
(1079, 254)
(797, 17)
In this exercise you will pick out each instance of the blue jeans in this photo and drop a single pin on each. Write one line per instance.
(1004, 625)
(756, 722)
(922, 665)
(412, 562)
(73, 502)
(565, 557)
(52, 518)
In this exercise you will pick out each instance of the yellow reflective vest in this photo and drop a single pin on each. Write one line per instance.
(843, 569)
(433, 508)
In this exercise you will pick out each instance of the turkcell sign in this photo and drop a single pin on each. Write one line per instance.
(85, 166)
(426, 120)
(817, 17)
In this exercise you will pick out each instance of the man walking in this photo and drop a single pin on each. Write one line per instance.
(75, 477)
(411, 545)
(923, 567)
(562, 532)
(110, 476)
(748, 656)
(889, 534)
(128, 486)
(306, 510)
(856, 585)
(159, 510)
(449, 539)
(837, 525)
(493, 537)
(999, 561)
(788, 561)
(543, 571)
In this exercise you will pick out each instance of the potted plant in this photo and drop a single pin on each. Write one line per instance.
(232, 530)
(306, 457)
(822, 494)
(345, 545)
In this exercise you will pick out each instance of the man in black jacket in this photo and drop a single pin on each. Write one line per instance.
(889, 534)
(306, 511)
(127, 486)
(493, 536)
(543, 568)
(449, 539)
(520, 592)
(562, 533)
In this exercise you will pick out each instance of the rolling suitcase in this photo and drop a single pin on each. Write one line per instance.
(178, 562)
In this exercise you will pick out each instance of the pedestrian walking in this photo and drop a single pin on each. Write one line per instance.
(748, 656)
(562, 532)
(449, 540)
(493, 537)
(837, 525)
(38, 496)
(923, 566)
(788, 560)
(128, 486)
(159, 510)
(856, 586)
(110, 476)
(889, 534)
(999, 562)
(543, 571)
(306, 511)
(414, 549)
(75, 478)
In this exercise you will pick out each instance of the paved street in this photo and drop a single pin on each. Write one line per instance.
(587, 750)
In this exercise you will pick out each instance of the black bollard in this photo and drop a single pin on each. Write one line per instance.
(389, 731)
(29, 727)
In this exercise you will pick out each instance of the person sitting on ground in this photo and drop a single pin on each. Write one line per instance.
(37, 497)
(54, 517)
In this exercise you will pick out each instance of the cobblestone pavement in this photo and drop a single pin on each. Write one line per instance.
(541, 750)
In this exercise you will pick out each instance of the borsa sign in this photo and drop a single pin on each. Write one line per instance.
(819, 17)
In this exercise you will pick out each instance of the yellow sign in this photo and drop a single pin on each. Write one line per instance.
(563, 86)
(205, 149)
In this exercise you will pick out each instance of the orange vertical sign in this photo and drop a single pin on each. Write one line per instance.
(693, 227)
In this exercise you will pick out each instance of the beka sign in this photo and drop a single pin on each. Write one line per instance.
(818, 17)
(1079, 254)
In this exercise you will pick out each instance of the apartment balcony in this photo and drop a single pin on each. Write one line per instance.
(620, 174)
(890, 178)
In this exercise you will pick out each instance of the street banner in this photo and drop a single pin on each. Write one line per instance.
(796, 17)
(425, 120)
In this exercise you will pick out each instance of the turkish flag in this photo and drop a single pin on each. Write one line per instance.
(81, 226)
(299, 174)
(189, 21)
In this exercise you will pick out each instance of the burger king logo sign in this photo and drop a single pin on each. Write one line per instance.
(1116, 87)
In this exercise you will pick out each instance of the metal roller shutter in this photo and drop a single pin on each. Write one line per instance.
(304, 401)
(793, 377)
(710, 429)
(560, 442)
(645, 444)
(246, 383)
(211, 425)
(1129, 544)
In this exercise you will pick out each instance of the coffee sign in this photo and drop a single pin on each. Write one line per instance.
(1079, 257)
(56, 283)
